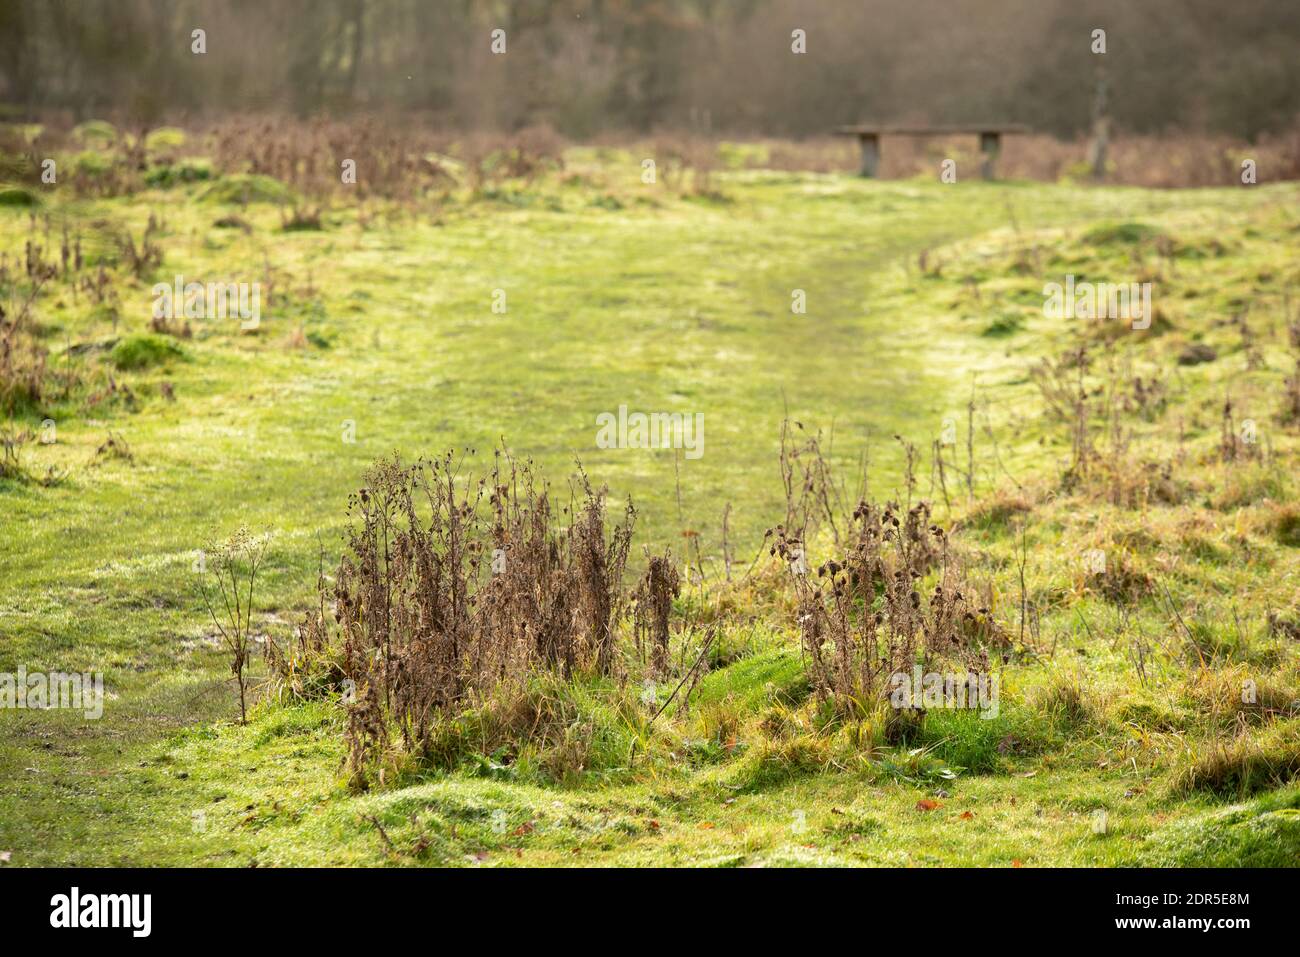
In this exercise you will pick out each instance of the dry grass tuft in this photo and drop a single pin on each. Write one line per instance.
(1284, 523)
(997, 510)
(1235, 695)
(1065, 701)
(1243, 765)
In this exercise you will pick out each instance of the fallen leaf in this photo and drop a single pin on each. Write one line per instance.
(967, 816)
(654, 825)
(1015, 864)
(706, 825)
(4, 856)
(927, 805)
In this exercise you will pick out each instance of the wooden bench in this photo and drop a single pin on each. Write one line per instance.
(990, 140)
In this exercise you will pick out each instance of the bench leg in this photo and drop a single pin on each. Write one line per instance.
(990, 146)
(869, 143)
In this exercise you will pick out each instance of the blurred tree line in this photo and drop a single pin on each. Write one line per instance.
(588, 66)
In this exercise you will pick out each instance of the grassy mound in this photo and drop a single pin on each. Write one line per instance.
(1262, 833)
(1123, 234)
(547, 731)
(144, 351)
(18, 196)
(242, 189)
(167, 175)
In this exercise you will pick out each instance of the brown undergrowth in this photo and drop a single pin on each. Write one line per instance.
(452, 586)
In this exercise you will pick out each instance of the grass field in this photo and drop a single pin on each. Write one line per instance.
(924, 314)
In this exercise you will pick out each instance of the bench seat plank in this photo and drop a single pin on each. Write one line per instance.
(990, 135)
(965, 129)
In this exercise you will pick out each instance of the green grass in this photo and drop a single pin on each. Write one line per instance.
(17, 196)
(143, 351)
(1261, 833)
(661, 303)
